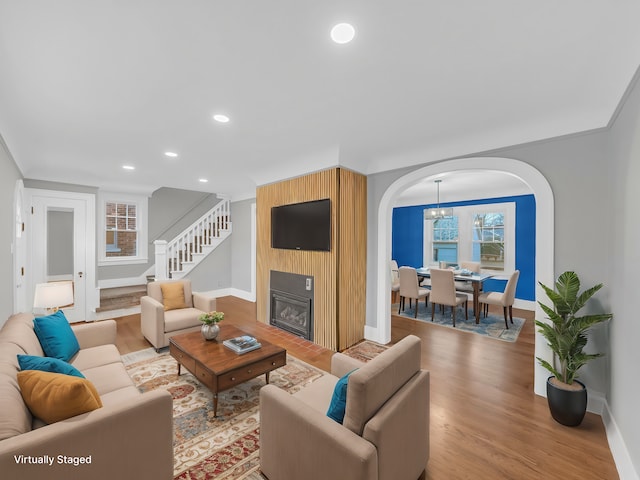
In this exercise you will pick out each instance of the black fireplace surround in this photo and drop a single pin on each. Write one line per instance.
(292, 303)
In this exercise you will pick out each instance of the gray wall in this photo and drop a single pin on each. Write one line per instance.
(624, 162)
(58, 186)
(60, 243)
(229, 265)
(9, 174)
(241, 244)
(214, 272)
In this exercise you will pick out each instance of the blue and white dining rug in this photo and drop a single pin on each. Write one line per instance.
(492, 326)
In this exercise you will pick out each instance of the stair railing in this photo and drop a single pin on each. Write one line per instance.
(170, 256)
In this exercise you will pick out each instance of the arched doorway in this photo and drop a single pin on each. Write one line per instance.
(544, 239)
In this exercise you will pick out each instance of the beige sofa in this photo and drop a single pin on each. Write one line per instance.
(129, 437)
(385, 433)
(158, 325)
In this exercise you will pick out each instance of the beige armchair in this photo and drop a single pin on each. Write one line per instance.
(159, 317)
(385, 432)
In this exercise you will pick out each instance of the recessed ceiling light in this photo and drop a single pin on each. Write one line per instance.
(218, 117)
(171, 154)
(343, 33)
(128, 167)
(203, 180)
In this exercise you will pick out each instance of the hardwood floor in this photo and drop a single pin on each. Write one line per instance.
(486, 422)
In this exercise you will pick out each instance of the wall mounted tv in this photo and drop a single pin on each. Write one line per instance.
(302, 226)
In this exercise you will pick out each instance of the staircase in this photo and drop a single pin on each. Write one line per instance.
(176, 258)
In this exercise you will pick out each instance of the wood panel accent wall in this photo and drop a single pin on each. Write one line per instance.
(339, 275)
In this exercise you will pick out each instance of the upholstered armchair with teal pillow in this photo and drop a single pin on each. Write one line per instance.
(384, 433)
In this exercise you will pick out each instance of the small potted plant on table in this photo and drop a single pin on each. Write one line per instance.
(566, 335)
(210, 328)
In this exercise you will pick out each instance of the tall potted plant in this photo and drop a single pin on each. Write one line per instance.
(566, 336)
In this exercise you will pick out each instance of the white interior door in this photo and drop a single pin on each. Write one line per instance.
(62, 245)
(19, 250)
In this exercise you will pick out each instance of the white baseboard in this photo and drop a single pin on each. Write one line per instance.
(525, 304)
(618, 448)
(234, 292)
(120, 312)
(596, 402)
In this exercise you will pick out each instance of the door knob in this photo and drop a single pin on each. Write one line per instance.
(80, 274)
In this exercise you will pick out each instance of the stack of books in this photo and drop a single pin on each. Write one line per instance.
(242, 344)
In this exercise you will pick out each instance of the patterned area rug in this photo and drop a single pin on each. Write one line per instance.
(205, 447)
(365, 350)
(492, 326)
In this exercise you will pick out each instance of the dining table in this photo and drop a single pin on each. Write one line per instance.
(476, 280)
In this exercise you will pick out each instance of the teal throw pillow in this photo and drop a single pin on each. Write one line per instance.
(339, 399)
(56, 336)
(47, 364)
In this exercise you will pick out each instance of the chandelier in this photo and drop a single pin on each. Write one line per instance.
(438, 212)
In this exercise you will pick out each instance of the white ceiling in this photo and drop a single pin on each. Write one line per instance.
(86, 87)
(461, 186)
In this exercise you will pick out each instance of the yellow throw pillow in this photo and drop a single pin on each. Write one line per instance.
(52, 397)
(173, 296)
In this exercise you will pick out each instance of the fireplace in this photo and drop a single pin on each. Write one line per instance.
(292, 303)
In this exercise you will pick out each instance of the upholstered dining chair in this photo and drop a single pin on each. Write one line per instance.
(504, 299)
(465, 286)
(443, 292)
(472, 266)
(410, 289)
(395, 278)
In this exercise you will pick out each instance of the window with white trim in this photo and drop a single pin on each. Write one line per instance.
(445, 240)
(488, 240)
(123, 222)
(485, 234)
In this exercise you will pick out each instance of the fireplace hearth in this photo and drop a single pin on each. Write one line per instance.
(292, 303)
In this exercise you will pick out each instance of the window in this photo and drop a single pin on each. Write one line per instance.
(445, 240)
(123, 239)
(483, 233)
(488, 240)
(121, 230)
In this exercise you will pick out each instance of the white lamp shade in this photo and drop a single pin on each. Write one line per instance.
(53, 295)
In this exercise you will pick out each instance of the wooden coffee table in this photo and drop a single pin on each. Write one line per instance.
(219, 368)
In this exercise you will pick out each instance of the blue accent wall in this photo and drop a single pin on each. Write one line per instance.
(407, 239)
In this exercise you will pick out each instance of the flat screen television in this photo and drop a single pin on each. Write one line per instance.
(302, 226)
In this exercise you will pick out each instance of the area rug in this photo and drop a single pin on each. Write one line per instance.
(492, 326)
(225, 447)
(365, 350)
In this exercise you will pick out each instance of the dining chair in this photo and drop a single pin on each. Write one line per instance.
(465, 286)
(504, 299)
(443, 292)
(410, 289)
(395, 279)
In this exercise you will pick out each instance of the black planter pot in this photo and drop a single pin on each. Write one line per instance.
(567, 406)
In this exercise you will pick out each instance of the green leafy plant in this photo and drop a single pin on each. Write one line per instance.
(566, 334)
(211, 318)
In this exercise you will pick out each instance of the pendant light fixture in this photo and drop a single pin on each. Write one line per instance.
(438, 212)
